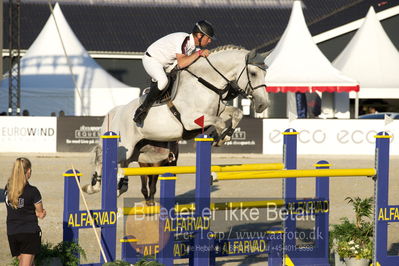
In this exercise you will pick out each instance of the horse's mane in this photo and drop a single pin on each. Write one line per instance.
(218, 52)
(227, 47)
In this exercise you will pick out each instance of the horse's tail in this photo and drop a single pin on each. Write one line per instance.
(98, 149)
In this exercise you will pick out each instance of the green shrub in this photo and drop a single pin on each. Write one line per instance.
(66, 251)
(355, 239)
(117, 263)
(148, 261)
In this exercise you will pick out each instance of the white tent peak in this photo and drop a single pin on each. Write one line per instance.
(47, 84)
(371, 58)
(49, 33)
(297, 64)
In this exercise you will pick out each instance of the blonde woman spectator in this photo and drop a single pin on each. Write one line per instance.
(24, 205)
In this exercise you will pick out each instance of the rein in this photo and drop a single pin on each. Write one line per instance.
(211, 87)
(214, 68)
(231, 88)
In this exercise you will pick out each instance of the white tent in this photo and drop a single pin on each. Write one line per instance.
(297, 65)
(76, 84)
(372, 59)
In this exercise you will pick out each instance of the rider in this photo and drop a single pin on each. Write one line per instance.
(174, 49)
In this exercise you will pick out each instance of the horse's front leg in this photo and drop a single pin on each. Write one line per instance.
(233, 113)
(219, 125)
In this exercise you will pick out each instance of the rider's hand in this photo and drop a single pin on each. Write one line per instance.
(204, 53)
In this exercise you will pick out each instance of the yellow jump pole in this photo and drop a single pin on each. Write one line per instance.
(192, 169)
(296, 173)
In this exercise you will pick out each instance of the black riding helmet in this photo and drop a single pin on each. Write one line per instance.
(204, 27)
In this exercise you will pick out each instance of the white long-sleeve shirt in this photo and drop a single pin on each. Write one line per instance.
(165, 49)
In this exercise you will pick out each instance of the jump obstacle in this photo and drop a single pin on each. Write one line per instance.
(280, 248)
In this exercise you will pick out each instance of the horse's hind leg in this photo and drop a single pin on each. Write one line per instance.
(144, 189)
(95, 184)
(149, 197)
(153, 179)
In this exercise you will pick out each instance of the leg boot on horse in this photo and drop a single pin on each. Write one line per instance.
(142, 110)
(152, 183)
(144, 189)
(94, 186)
(123, 185)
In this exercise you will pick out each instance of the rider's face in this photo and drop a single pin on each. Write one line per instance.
(204, 41)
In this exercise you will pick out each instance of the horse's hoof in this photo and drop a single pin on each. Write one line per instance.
(227, 133)
(150, 203)
(220, 143)
(214, 177)
(89, 189)
(122, 189)
(123, 186)
(86, 188)
(95, 178)
(227, 139)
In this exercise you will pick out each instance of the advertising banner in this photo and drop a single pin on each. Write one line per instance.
(78, 133)
(28, 134)
(329, 136)
(247, 138)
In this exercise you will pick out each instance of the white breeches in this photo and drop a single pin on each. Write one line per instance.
(156, 71)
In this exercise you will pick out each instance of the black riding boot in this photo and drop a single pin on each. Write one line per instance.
(142, 111)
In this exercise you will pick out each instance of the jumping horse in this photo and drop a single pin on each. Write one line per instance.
(202, 89)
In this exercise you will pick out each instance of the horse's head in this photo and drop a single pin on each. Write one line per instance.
(252, 79)
(243, 71)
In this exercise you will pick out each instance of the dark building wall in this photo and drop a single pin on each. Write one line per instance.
(391, 27)
(332, 48)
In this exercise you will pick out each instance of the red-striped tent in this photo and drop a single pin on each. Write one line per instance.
(297, 65)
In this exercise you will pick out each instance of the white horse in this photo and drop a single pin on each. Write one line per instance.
(201, 90)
